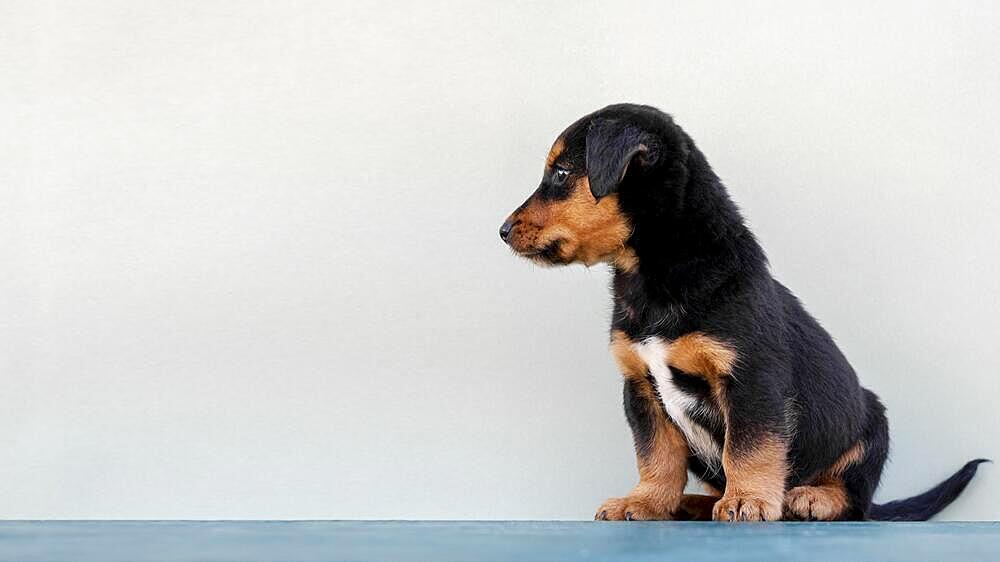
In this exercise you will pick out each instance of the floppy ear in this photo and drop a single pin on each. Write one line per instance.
(611, 147)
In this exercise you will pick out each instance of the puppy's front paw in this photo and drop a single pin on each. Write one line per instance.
(744, 507)
(636, 507)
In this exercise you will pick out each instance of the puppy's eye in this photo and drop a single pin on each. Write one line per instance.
(559, 176)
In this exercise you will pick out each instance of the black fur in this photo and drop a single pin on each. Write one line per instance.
(641, 416)
(929, 503)
(701, 269)
(612, 144)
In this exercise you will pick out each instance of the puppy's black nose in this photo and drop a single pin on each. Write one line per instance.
(505, 229)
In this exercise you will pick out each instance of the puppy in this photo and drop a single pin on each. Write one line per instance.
(725, 373)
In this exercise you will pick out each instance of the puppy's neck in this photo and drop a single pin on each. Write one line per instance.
(684, 251)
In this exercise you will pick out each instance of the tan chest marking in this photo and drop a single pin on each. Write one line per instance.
(701, 355)
(696, 354)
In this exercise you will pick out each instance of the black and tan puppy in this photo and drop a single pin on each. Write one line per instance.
(726, 375)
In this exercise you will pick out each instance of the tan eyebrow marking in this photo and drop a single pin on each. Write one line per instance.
(554, 152)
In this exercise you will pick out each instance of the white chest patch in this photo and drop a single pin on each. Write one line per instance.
(653, 352)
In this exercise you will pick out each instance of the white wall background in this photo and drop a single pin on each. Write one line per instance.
(249, 265)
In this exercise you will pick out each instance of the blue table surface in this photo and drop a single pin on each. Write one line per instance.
(305, 541)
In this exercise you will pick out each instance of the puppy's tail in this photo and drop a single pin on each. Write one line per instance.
(929, 503)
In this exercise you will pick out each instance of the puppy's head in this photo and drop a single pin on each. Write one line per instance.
(575, 216)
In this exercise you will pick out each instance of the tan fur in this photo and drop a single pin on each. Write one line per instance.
(702, 355)
(586, 230)
(849, 458)
(626, 260)
(628, 361)
(755, 481)
(663, 467)
(666, 463)
(662, 477)
(555, 151)
(825, 500)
